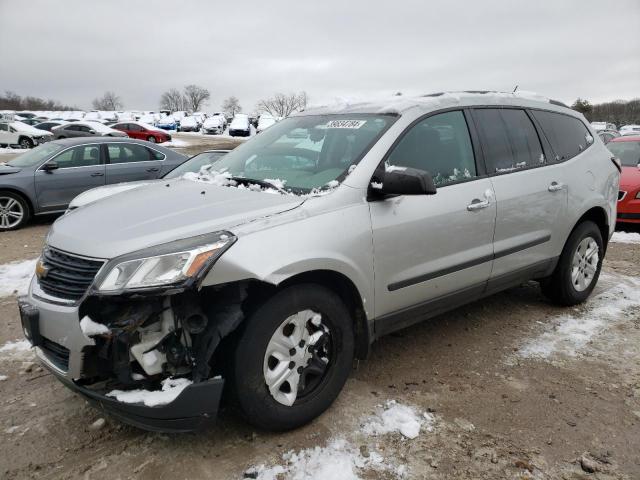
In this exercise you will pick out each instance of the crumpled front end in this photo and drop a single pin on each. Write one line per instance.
(148, 358)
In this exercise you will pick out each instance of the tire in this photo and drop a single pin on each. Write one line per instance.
(251, 364)
(25, 142)
(151, 139)
(11, 205)
(567, 285)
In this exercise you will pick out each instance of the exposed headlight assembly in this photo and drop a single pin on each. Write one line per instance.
(176, 264)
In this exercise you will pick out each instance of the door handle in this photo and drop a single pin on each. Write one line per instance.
(555, 186)
(97, 174)
(153, 169)
(478, 204)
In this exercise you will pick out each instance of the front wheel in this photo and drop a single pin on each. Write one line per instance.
(25, 142)
(578, 268)
(293, 357)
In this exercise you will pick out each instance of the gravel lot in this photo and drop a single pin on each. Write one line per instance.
(512, 387)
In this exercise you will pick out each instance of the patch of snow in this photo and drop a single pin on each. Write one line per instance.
(393, 168)
(171, 388)
(376, 185)
(276, 182)
(396, 417)
(16, 350)
(3, 378)
(332, 184)
(569, 334)
(214, 177)
(16, 276)
(91, 328)
(338, 460)
(175, 143)
(626, 237)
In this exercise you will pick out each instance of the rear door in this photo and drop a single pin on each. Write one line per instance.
(79, 168)
(433, 250)
(530, 190)
(127, 162)
(7, 136)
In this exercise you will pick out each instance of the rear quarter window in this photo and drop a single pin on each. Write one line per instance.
(567, 135)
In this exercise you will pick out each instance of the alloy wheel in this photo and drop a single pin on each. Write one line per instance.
(11, 212)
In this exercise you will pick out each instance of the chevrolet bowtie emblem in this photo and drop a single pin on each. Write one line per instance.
(41, 270)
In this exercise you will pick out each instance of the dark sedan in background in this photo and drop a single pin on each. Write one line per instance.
(47, 178)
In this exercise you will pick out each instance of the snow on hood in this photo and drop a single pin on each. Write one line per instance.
(98, 127)
(213, 121)
(168, 120)
(23, 127)
(192, 121)
(105, 191)
(161, 212)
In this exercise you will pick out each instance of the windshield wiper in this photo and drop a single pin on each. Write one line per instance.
(262, 183)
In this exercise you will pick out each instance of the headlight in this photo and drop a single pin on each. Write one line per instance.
(188, 262)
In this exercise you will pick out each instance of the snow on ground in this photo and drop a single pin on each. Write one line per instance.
(571, 333)
(171, 388)
(176, 143)
(399, 418)
(16, 276)
(9, 150)
(340, 459)
(17, 350)
(3, 378)
(626, 237)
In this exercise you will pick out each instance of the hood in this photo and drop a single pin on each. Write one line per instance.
(159, 213)
(102, 192)
(6, 169)
(630, 177)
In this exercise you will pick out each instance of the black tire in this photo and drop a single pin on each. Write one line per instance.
(559, 287)
(252, 396)
(22, 205)
(25, 142)
(151, 139)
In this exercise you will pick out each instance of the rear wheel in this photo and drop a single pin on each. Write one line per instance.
(14, 211)
(579, 267)
(151, 139)
(293, 357)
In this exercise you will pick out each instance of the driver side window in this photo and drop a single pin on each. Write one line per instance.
(439, 144)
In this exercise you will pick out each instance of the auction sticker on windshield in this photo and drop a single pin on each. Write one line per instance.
(345, 123)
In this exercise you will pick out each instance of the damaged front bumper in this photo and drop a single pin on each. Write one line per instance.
(64, 349)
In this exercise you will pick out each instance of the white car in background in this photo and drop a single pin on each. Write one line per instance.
(240, 126)
(214, 125)
(630, 130)
(190, 124)
(18, 133)
(148, 118)
(599, 126)
(264, 122)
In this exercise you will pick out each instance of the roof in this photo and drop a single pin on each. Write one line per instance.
(434, 101)
(69, 142)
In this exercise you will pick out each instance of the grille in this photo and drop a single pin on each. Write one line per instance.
(57, 354)
(67, 276)
(621, 195)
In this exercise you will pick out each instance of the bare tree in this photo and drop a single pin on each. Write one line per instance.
(109, 101)
(231, 106)
(282, 104)
(172, 100)
(12, 101)
(195, 96)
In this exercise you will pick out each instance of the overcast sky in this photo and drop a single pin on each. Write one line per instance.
(74, 50)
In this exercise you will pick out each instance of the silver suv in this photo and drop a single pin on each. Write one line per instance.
(264, 278)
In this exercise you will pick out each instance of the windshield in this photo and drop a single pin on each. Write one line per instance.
(306, 152)
(627, 152)
(36, 156)
(194, 164)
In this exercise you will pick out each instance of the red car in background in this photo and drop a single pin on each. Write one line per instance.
(143, 131)
(627, 149)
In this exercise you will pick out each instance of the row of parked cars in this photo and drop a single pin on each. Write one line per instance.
(230, 280)
(608, 131)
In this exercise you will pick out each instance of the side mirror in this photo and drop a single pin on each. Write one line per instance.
(51, 165)
(92, 132)
(405, 181)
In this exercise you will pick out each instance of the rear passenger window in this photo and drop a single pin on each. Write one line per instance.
(440, 145)
(568, 135)
(509, 140)
(128, 153)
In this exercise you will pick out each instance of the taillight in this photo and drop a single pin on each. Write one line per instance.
(617, 163)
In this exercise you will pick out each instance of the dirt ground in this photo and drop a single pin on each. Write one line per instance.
(498, 413)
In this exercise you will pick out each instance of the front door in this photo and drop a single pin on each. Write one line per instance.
(531, 193)
(432, 250)
(7, 136)
(131, 161)
(79, 169)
